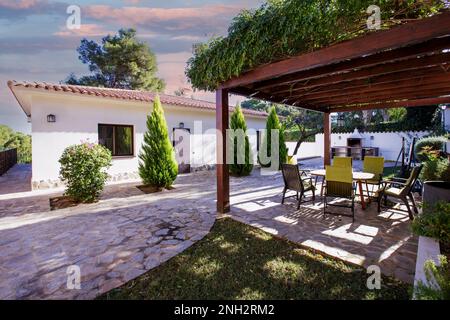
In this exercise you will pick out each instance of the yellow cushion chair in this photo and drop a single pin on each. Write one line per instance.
(339, 184)
(342, 162)
(373, 165)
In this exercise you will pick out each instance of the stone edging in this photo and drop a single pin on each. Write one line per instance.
(428, 248)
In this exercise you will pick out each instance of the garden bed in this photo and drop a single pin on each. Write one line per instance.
(62, 202)
(236, 261)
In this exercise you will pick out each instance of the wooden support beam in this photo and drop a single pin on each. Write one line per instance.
(367, 73)
(412, 83)
(397, 37)
(326, 139)
(223, 178)
(392, 104)
(432, 46)
(426, 91)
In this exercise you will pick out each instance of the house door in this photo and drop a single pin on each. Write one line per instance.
(182, 145)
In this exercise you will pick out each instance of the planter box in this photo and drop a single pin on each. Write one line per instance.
(435, 191)
(428, 249)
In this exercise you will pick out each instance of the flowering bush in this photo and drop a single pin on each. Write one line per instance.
(83, 170)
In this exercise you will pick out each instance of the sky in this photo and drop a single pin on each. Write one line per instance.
(36, 45)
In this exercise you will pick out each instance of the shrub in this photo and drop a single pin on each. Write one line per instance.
(435, 168)
(438, 281)
(238, 123)
(435, 223)
(273, 123)
(83, 170)
(158, 167)
(427, 145)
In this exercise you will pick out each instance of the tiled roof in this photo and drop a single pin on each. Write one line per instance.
(124, 94)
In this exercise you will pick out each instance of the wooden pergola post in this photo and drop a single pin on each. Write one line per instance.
(326, 139)
(223, 178)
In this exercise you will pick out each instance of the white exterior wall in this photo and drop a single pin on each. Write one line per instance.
(389, 143)
(77, 120)
(447, 118)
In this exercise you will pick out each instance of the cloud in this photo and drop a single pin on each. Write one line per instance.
(86, 30)
(187, 21)
(13, 10)
(20, 4)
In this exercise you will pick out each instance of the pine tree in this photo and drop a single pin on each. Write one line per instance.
(238, 123)
(157, 165)
(273, 123)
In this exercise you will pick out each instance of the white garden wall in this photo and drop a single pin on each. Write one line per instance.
(389, 143)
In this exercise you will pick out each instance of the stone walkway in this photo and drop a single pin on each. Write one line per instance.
(112, 241)
(381, 239)
(127, 233)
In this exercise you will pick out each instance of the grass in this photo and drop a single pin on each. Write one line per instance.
(236, 261)
(389, 172)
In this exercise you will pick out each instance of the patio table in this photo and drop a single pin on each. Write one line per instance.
(359, 177)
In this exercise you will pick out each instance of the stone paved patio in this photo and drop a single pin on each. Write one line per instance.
(128, 233)
(381, 239)
(112, 241)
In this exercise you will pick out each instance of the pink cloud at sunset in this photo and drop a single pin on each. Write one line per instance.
(86, 30)
(179, 18)
(20, 4)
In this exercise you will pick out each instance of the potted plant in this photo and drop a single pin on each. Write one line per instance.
(435, 175)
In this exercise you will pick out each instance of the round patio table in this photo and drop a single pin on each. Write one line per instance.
(359, 177)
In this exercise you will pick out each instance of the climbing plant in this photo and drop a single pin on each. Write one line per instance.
(283, 28)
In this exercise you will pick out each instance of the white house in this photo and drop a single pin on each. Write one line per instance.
(62, 115)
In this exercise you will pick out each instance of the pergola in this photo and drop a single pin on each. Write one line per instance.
(405, 66)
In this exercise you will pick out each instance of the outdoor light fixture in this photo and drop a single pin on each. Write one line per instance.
(181, 125)
(340, 120)
(51, 118)
(372, 138)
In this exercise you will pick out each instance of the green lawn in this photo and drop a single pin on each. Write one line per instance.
(236, 261)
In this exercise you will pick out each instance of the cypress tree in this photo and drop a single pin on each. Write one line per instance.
(238, 123)
(273, 123)
(157, 165)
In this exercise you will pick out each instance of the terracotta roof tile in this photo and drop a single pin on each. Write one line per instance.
(125, 95)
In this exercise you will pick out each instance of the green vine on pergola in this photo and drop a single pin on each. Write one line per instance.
(284, 28)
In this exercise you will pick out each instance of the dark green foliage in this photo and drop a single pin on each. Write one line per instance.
(436, 169)
(9, 139)
(238, 123)
(281, 29)
(120, 61)
(431, 144)
(157, 165)
(273, 123)
(83, 170)
(435, 223)
(438, 278)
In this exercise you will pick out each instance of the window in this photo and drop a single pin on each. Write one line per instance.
(117, 138)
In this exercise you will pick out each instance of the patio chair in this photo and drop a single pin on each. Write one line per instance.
(373, 165)
(298, 182)
(342, 162)
(339, 184)
(402, 189)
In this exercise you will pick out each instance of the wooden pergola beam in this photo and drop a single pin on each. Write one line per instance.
(433, 46)
(437, 89)
(401, 36)
(414, 82)
(222, 173)
(392, 104)
(367, 73)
